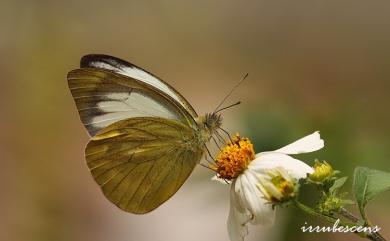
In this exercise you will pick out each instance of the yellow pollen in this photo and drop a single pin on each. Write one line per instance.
(234, 158)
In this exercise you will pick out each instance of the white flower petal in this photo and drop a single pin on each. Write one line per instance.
(252, 199)
(306, 144)
(236, 230)
(238, 218)
(269, 160)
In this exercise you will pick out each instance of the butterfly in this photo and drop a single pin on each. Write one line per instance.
(146, 138)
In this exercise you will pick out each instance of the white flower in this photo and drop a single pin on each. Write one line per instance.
(248, 194)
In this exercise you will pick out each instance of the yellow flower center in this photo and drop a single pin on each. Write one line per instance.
(277, 186)
(285, 187)
(234, 158)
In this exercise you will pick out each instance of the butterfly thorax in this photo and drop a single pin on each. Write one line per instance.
(207, 127)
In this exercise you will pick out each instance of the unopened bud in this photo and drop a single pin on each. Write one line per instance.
(322, 171)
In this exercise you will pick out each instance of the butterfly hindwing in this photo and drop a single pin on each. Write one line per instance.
(141, 162)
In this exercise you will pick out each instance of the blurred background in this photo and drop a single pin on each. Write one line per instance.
(313, 65)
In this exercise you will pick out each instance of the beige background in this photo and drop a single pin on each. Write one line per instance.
(313, 65)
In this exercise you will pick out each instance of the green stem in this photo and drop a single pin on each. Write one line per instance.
(312, 212)
(348, 215)
(372, 236)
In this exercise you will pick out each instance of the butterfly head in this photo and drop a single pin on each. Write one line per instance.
(212, 122)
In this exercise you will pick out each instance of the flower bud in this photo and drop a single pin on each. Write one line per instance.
(332, 203)
(322, 172)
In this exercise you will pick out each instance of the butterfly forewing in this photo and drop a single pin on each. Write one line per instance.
(141, 162)
(103, 97)
(125, 68)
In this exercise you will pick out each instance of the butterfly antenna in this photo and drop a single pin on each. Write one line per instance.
(231, 91)
(227, 107)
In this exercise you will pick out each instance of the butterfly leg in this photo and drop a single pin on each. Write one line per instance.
(227, 133)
